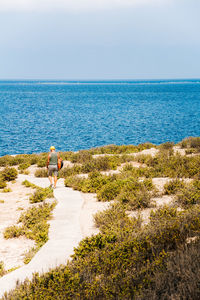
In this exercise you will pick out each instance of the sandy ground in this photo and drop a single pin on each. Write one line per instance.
(12, 204)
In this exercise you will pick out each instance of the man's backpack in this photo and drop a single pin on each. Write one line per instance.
(60, 163)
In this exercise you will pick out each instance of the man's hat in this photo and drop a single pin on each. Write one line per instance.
(52, 148)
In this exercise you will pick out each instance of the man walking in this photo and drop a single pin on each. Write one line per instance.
(52, 166)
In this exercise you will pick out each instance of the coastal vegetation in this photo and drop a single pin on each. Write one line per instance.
(128, 258)
(32, 224)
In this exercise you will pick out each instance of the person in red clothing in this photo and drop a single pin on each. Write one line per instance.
(52, 166)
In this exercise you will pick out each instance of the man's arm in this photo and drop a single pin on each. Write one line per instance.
(48, 160)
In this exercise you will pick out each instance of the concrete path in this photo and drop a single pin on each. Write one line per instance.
(64, 235)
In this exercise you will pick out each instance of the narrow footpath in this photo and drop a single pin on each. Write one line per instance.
(64, 235)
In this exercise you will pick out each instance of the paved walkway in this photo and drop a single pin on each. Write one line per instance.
(64, 235)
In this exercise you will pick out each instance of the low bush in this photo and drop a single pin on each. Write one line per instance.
(2, 184)
(13, 232)
(114, 220)
(92, 184)
(75, 182)
(69, 171)
(109, 191)
(24, 166)
(81, 157)
(136, 194)
(33, 224)
(2, 269)
(114, 149)
(179, 278)
(5, 160)
(191, 151)
(136, 200)
(42, 160)
(191, 142)
(189, 195)
(29, 184)
(173, 186)
(41, 173)
(118, 263)
(174, 166)
(9, 174)
(166, 146)
(6, 190)
(41, 194)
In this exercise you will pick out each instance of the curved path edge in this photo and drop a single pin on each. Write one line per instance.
(64, 235)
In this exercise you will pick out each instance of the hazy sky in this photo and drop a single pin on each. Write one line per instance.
(99, 39)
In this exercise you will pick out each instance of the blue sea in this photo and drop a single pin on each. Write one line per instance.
(74, 115)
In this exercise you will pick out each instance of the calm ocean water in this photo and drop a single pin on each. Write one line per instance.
(75, 115)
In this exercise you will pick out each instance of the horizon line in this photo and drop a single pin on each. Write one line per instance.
(98, 79)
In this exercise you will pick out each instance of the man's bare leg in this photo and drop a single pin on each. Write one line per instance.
(50, 179)
(55, 181)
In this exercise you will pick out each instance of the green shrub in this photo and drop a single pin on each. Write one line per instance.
(29, 184)
(69, 171)
(2, 184)
(41, 194)
(173, 186)
(30, 254)
(109, 191)
(2, 269)
(9, 174)
(6, 190)
(189, 195)
(122, 149)
(167, 145)
(81, 157)
(136, 200)
(33, 224)
(75, 182)
(135, 194)
(191, 142)
(120, 263)
(24, 166)
(5, 160)
(41, 173)
(179, 278)
(13, 231)
(42, 160)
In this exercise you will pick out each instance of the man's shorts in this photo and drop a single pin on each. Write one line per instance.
(52, 169)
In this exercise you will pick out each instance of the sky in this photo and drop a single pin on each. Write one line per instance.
(99, 39)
